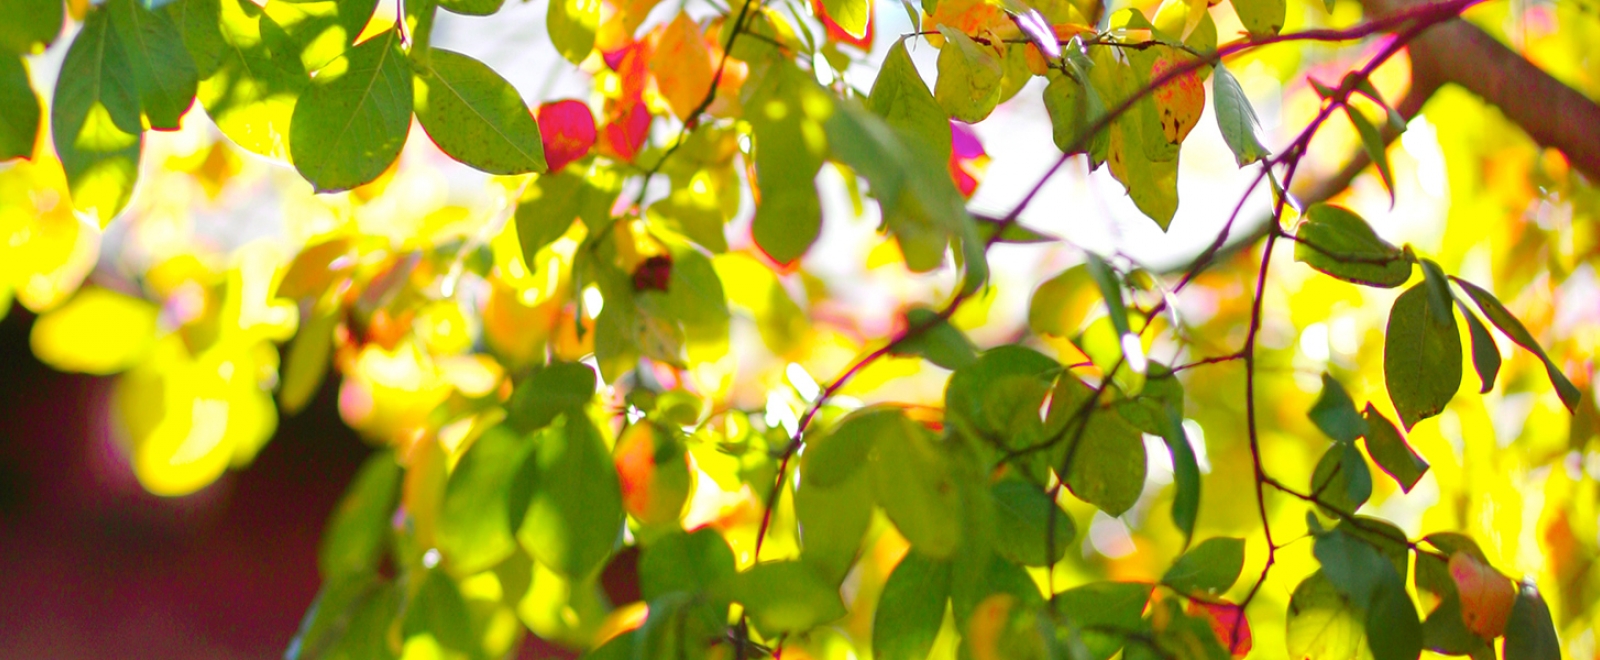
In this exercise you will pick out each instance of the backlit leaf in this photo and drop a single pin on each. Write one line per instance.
(358, 533)
(1235, 116)
(1335, 414)
(575, 516)
(163, 72)
(19, 110)
(1338, 242)
(475, 116)
(473, 532)
(1106, 463)
(567, 131)
(347, 129)
(1486, 597)
(911, 609)
(252, 92)
(561, 387)
(572, 25)
(1029, 528)
(1323, 624)
(833, 521)
(1391, 452)
(439, 611)
(913, 481)
(1210, 568)
(99, 331)
(682, 65)
(1421, 357)
(471, 7)
(851, 15)
(901, 97)
(1502, 319)
(1262, 18)
(30, 25)
(786, 596)
(968, 86)
(689, 562)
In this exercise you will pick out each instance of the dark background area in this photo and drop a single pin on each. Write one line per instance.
(91, 566)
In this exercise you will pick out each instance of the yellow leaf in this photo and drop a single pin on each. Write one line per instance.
(682, 66)
(98, 332)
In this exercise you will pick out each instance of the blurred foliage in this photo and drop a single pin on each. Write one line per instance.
(607, 362)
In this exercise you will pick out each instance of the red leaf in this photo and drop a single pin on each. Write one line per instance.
(653, 274)
(968, 160)
(626, 132)
(1225, 618)
(568, 132)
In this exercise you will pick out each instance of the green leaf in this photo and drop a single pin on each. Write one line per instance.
(163, 72)
(329, 616)
(575, 516)
(1438, 291)
(1107, 462)
(1262, 18)
(1323, 623)
(688, 562)
(1391, 452)
(198, 22)
(941, 343)
(357, 534)
(1339, 243)
(307, 361)
(833, 521)
(786, 597)
(1335, 414)
(1070, 107)
(902, 99)
(475, 116)
(1235, 116)
(788, 107)
(1372, 141)
(561, 387)
(968, 85)
(1421, 357)
(572, 25)
(474, 532)
(30, 25)
(1394, 632)
(1336, 480)
(1485, 353)
(971, 389)
(1185, 471)
(1158, 403)
(914, 483)
(1530, 633)
(1104, 609)
(94, 120)
(1111, 291)
(547, 209)
(252, 92)
(1153, 185)
(1210, 568)
(1446, 632)
(1502, 319)
(350, 126)
(19, 110)
(1030, 529)
(1058, 306)
(851, 15)
(832, 459)
(911, 609)
(438, 610)
(975, 576)
(1353, 566)
(471, 7)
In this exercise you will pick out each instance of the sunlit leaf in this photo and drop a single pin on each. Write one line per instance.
(851, 15)
(348, 128)
(913, 481)
(1421, 357)
(561, 387)
(1342, 244)
(688, 562)
(833, 521)
(1372, 141)
(1105, 462)
(99, 331)
(682, 65)
(471, 7)
(941, 343)
(901, 97)
(575, 515)
(786, 597)
(1485, 596)
(252, 92)
(439, 611)
(198, 22)
(1502, 319)
(654, 473)
(1261, 18)
(475, 116)
(474, 533)
(94, 119)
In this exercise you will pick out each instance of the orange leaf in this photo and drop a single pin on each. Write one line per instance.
(1180, 101)
(624, 135)
(975, 18)
(682, 66)
(1486, 595)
